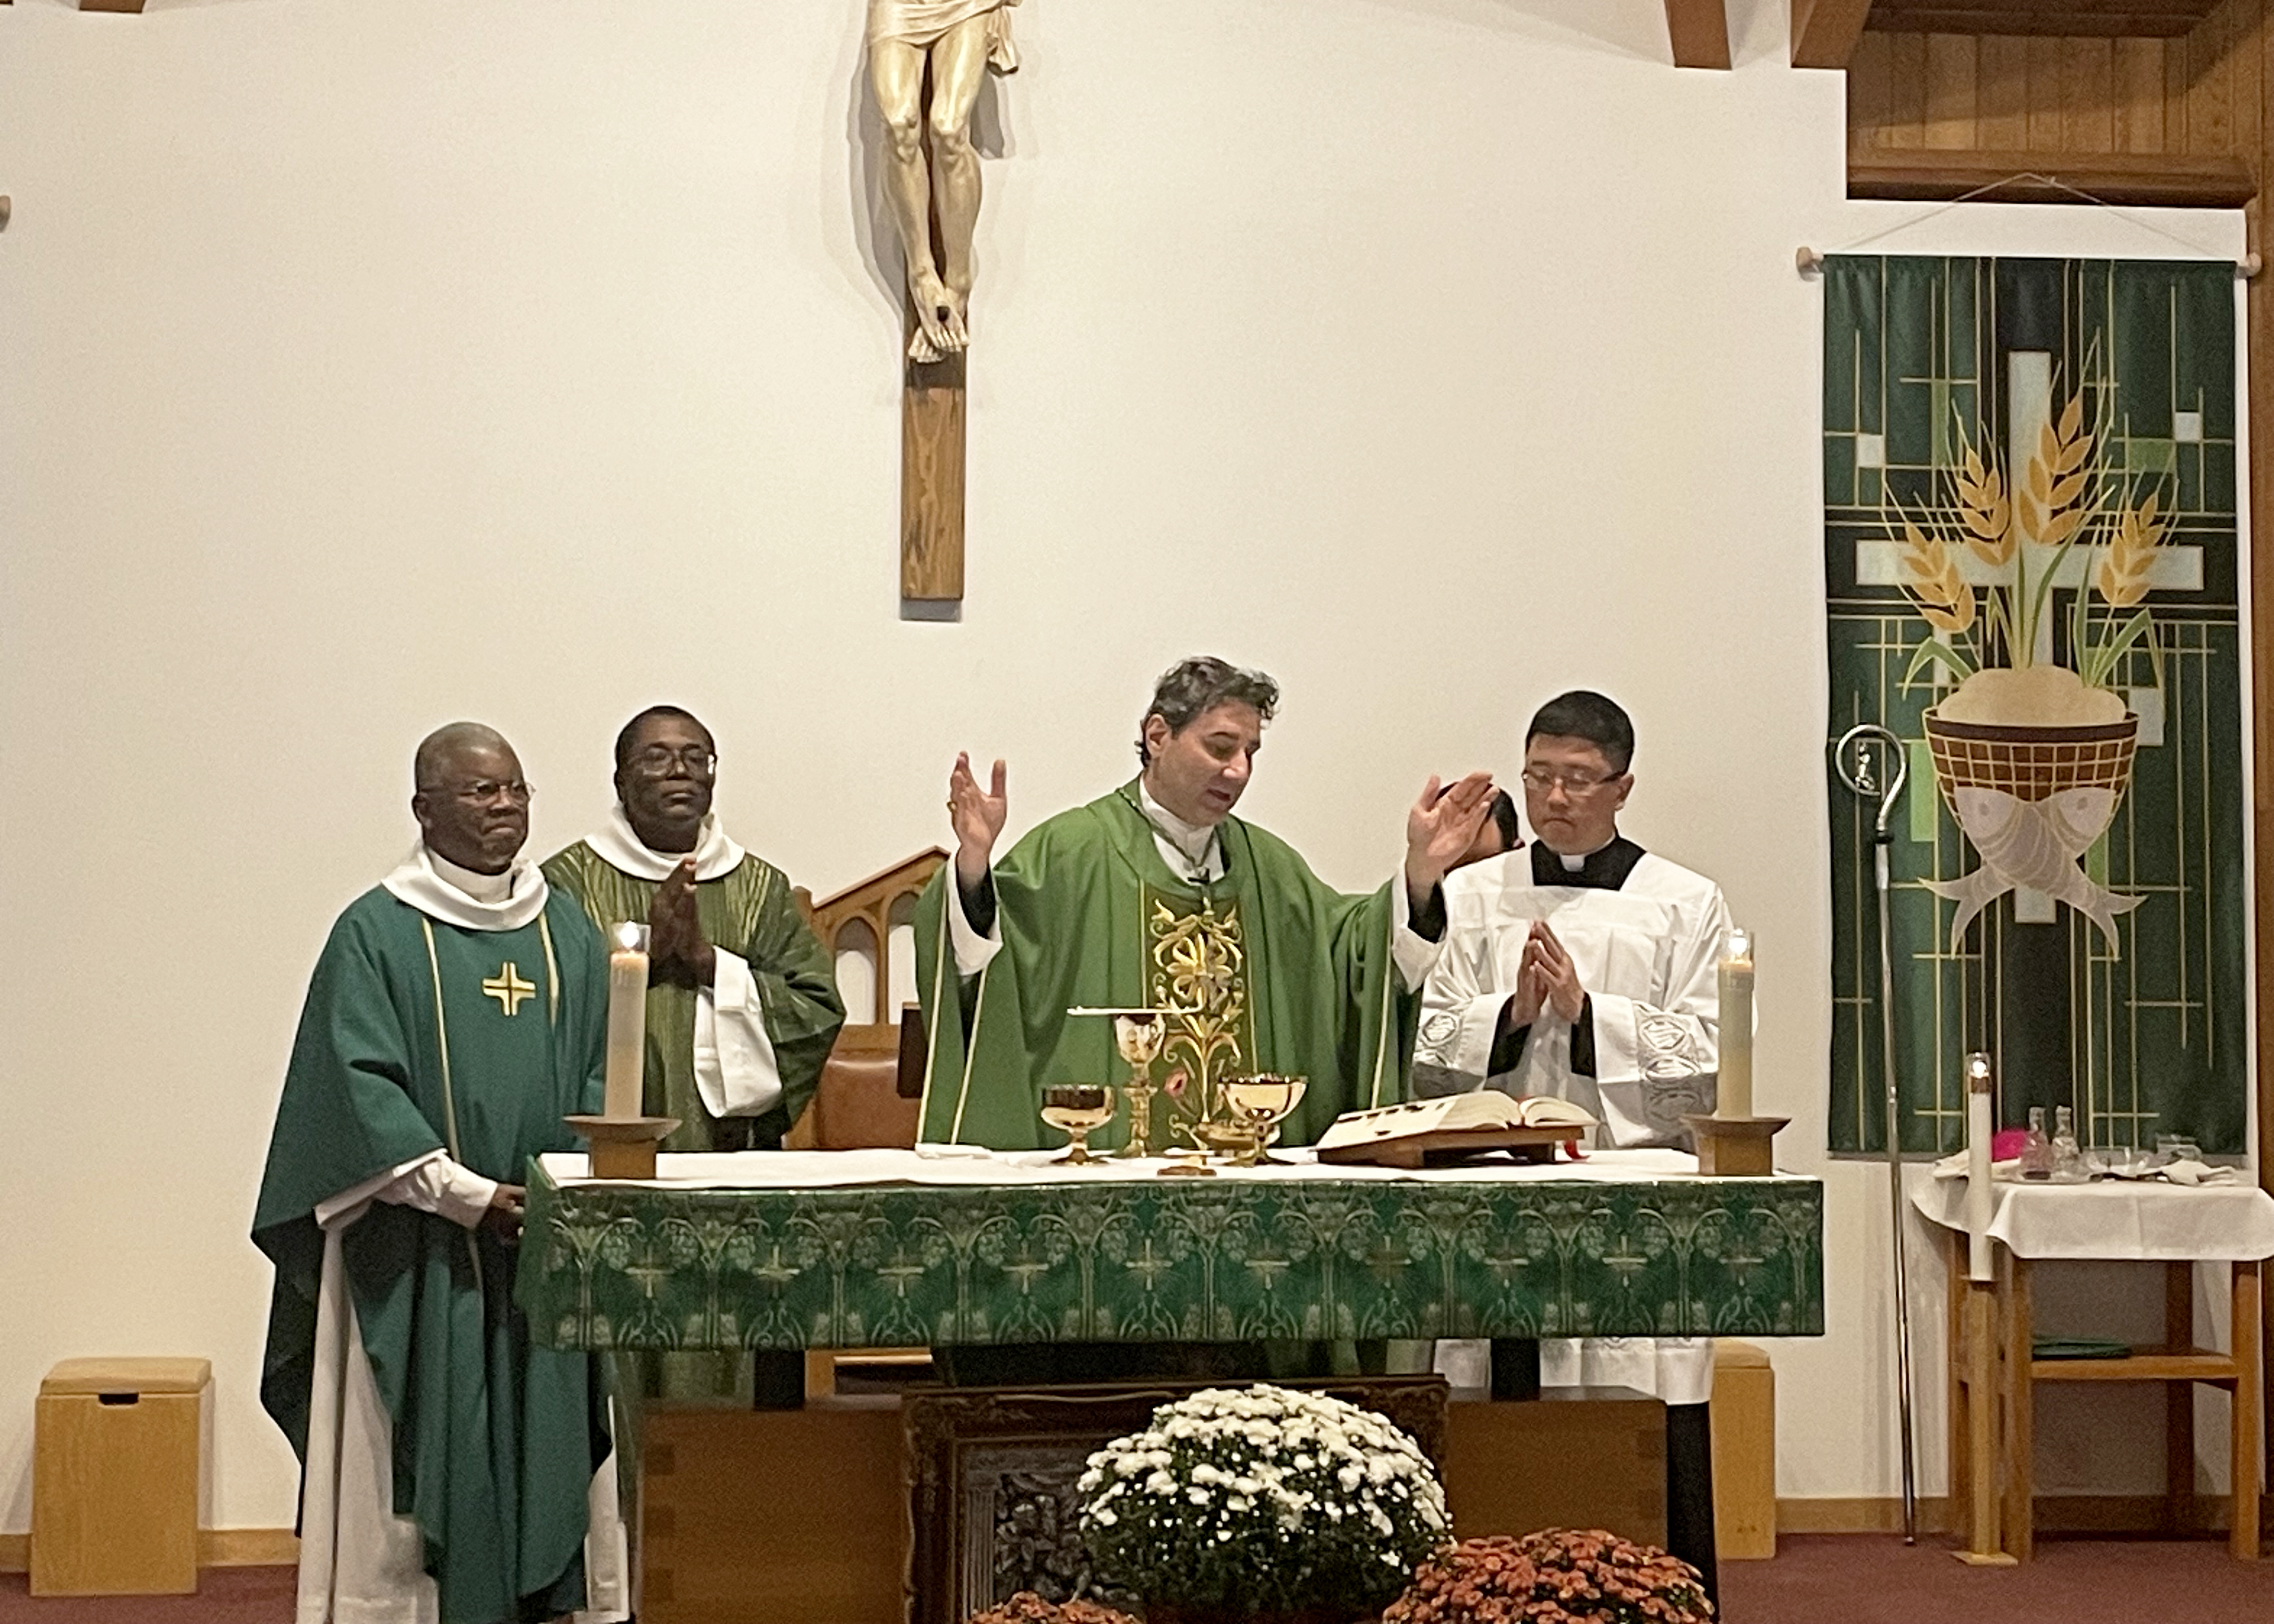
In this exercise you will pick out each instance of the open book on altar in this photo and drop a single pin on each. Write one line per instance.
(1426, 1131)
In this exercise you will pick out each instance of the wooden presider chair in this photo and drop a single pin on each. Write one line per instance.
(867, 1096)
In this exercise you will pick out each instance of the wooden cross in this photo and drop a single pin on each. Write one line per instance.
(931, 480)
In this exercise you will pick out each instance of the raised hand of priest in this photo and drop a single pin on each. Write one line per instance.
(1440, 827)
(678, 951)
(977, 817)
(1558, 977)
(506, 1207)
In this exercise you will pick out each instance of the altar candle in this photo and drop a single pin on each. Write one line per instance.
(627, 1022)
(1733, 1088)
(1979, 1130)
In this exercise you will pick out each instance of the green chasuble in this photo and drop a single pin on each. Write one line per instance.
(749, 911)
(1091, 915)
(495, 1441)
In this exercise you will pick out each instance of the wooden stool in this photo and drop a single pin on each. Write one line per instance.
(114, 1464)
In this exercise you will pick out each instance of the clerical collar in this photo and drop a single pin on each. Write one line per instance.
(490, 887)
(441, 890)
(1605, 869)
(620, 847)
(1195, 843)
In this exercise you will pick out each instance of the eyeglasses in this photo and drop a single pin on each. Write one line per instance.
(481, 792)
(657, 760)
(1542, 779)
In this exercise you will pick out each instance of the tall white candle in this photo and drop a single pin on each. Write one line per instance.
(1979, 1127)
(627, 1022)
(1733, 1088)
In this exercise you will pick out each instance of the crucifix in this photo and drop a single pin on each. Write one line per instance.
(931, 181)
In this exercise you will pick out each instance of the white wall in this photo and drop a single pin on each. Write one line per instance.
(365, 367)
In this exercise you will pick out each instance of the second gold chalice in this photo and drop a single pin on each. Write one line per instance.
(1260, 1103)
(1077, 1110)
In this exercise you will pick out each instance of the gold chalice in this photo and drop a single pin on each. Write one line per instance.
(1139, 1035)
(1077, 1110)
(1259, 1104)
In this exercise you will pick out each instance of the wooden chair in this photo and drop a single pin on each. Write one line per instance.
(867, 1094)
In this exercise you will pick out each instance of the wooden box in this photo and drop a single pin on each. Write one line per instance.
(1743, 1416)
(115, 1478)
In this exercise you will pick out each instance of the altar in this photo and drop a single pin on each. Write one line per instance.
(859, 1249)
(757, 1514)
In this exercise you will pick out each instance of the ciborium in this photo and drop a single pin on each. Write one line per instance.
(1077, 1110)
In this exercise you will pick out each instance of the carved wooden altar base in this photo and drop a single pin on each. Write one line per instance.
(755, 1517)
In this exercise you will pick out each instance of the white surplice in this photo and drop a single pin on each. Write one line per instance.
(360, 1563)
(1646, 953)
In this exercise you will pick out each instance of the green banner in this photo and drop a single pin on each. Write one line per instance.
(2030, 464)
(619, 1266)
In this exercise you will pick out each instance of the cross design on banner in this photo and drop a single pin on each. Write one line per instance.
(508, 989)
(2176, 567)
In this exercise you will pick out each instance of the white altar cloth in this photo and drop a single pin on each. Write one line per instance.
(2113, 1219)
(814, 1169)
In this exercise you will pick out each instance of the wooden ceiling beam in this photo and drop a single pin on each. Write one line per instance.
(2074, 18)
(1824, 32)
(2140, 25)
(1699, 32)
(2178, 180)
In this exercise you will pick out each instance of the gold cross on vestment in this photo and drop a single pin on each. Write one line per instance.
(508, 989)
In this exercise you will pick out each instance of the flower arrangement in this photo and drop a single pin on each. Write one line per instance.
(1262, 1500)
(1557, 1576)
(1027, 1608)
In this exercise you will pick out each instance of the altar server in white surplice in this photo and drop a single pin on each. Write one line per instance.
(1584, 966)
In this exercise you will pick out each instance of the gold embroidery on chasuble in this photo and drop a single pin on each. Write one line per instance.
(1196, 963)
(508, 989)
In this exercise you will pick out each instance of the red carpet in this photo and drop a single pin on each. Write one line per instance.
(1815, 1579)
(1876, 1579)
(225, 1595)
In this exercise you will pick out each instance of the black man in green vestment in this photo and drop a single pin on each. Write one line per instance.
(456, 1015)
(741, 1002)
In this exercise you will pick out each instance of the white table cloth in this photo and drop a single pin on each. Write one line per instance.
(2113, 1219)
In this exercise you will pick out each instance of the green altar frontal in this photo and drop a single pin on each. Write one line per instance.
(616, 1266)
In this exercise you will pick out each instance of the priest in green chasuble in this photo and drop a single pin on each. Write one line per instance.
(1156, 895)
(451, 1470)
(742, 1004)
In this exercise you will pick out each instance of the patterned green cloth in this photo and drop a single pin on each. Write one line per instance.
(616, 1266)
